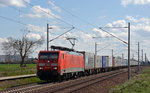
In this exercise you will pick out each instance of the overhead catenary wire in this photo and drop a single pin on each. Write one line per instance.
(95, 25)
(54, 16)
(9, 19)
(103, 47)
(13, 20)
(118, 52)
(48, 13)
(79, 19)
(114, 36)
(69, 23)
(61, 34)
(19, 10)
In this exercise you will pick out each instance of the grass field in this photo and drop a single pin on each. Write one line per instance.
(18, 82)
(138, 84)
(15, 69)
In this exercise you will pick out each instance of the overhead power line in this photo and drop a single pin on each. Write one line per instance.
(94, 25)
(65, 21)
(103, 47)
(9, 19)
(118, 51)
(113, 36)
(77, 17)
(49, 13)
(62, 34)
(21, 11)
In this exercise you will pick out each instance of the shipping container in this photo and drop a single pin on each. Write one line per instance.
(107, 61)
(113, 64)
(117, 61)
(89, 60)
(98, 63)
(126, 62)
(133, 62)
(123, 62)
(103, 61)
(110, 62)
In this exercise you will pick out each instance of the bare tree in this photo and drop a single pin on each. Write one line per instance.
(23, 47)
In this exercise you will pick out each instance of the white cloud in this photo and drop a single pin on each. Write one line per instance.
(34, 15)
(140, 27)
(130, 18)
(36, 28)
(139, 20)
(134, 2)
(39, 12)
(18, 3)
(119, 23)
(54, 6)
(122, 34)
(145, 21)
(33, 36)
(84, 36)
(3, 40)
(84, 41)
(142, 24)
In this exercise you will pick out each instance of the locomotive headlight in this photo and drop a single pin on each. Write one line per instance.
(40, 68)
(55, 68)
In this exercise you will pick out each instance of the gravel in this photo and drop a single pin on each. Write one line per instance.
(107, 85)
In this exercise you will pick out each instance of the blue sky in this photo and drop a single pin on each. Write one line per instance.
(86, 16)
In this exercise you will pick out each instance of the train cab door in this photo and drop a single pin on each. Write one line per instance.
(63, 59)
(62, 62)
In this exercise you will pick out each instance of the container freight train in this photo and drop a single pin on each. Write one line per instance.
(65, 63)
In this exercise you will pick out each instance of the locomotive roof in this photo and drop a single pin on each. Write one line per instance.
(62, 48)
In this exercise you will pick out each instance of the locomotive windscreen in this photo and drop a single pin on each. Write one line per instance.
(49, 55)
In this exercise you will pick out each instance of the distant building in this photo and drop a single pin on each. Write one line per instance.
(10, 58)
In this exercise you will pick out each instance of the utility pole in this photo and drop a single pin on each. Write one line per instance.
(145, 57)
(112, 57)
(129, 51)
(122, 58)
(138, 57)
(47, 37)
(95, 54)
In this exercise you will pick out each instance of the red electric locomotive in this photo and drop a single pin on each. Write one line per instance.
(59, 64)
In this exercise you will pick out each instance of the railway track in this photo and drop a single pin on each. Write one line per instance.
(25, 88)
(66, 86)
(85, 83)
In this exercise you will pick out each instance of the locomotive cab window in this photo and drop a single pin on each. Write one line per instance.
(48, 55)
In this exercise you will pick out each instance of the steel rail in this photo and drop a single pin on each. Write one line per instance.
(85, 81)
